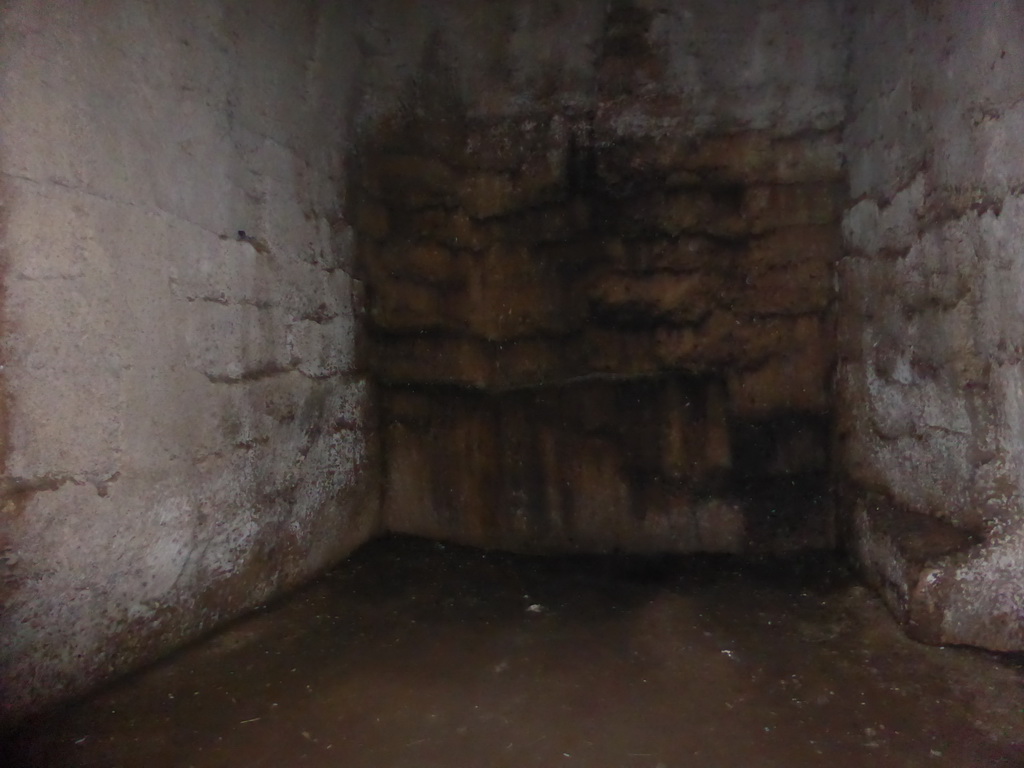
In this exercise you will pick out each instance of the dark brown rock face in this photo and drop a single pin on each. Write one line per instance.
(595, 331)
(602, 345)
(636, 464)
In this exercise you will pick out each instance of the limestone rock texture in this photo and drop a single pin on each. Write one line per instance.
(600, 294)
(930, 316)
(706, 275)
(186, 424)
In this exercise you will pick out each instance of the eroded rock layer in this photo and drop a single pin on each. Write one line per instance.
(603, 342)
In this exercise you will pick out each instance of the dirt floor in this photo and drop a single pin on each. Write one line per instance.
(417, 654)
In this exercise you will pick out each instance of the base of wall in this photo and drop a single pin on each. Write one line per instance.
(636, 465)
(946, 585)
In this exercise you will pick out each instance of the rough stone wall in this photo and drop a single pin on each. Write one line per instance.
(185, 423)
(649, 240)
(600, 244)
(930, 374)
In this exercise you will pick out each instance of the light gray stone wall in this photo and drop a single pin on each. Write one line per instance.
(185, 419)
(932, 314)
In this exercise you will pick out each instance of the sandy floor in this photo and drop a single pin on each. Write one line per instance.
(416, 654)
